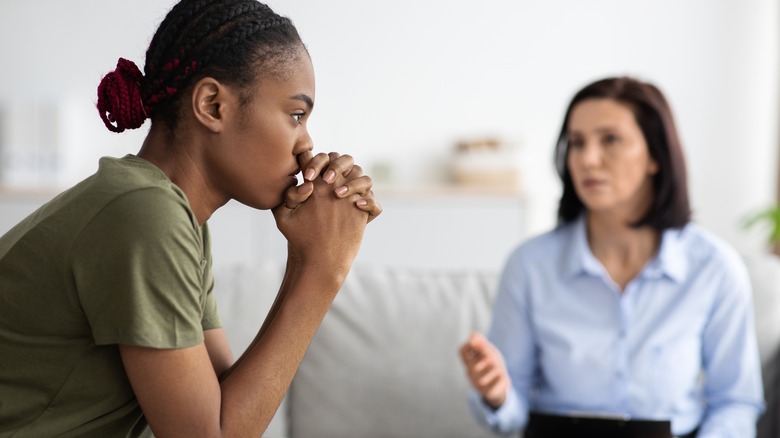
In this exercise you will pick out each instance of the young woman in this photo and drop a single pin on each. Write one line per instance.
(107, 316)
(626, 307)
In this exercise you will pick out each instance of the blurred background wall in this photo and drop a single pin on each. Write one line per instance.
(400, 83)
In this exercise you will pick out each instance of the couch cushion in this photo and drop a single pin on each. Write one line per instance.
(384, 362)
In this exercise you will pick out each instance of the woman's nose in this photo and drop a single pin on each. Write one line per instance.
(590, 154)
(305, 143)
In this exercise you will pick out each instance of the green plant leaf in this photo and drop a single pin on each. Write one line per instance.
(769, 218)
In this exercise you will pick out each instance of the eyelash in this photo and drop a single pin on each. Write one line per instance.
(298, 117)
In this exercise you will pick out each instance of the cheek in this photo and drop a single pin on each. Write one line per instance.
(634, 178)
(571, 163)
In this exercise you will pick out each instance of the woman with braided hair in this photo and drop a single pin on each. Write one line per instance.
(108, 322)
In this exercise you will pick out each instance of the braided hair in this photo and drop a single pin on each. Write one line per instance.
(229, 40)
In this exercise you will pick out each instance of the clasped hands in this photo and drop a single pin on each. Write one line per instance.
(342, 173)
(324, 217)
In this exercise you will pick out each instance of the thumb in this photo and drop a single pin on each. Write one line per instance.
(480, 344)
(293, 197)
(477, 340)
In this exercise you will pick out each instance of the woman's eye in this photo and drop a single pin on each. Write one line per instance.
(611, 139)
(298, 117)
(575, 143)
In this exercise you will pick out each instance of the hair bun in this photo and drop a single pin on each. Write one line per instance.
(119, 97)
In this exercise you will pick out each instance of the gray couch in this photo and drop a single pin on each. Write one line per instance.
(384, 362)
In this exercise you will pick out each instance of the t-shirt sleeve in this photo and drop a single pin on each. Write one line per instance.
(210, 318)
(139, 270)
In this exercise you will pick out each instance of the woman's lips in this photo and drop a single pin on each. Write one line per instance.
(293, 177)
(593, 183)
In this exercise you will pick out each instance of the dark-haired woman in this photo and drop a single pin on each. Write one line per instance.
(107, 316)
(626, 308)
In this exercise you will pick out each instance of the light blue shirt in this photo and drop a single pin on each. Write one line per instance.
(677, 344)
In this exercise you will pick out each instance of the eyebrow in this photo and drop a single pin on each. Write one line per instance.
(599, 130)
(304, 98)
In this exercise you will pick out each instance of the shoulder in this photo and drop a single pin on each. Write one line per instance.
(709, 254)
(152, 204)
(135, 192)
(546, 246)
(130, 202)
(542, 255)
(149, 215)
(703, 246)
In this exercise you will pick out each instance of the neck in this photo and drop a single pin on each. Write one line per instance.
(608, 234)
(180, 160)
(622, 249)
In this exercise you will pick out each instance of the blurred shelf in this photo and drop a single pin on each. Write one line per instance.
(10, 192)
(447, 191)
(443, 226)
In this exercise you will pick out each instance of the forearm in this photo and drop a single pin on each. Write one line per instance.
(253, 389)
(291, 272)
(318, 262)
(292, 269)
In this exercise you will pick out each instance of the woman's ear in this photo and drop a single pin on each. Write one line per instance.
(209, 103)
(653, 167)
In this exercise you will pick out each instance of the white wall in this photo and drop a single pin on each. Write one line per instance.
(399, 82)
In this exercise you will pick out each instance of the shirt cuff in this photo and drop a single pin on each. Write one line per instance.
(510, 417)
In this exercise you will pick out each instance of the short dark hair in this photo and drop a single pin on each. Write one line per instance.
(670, 207)
(228, 40)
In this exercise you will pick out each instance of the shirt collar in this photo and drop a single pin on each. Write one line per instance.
(671, 260)
(578, 259)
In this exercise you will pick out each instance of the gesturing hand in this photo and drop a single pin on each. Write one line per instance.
(486, 370)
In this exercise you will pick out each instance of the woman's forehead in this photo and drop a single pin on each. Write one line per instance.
(599, 113)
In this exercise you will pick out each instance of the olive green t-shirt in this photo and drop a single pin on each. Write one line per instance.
(118, 259)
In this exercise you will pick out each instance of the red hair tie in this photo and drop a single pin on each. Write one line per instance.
(119, 97)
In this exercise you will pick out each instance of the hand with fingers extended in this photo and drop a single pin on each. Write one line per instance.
(323, 219)
(486, 370)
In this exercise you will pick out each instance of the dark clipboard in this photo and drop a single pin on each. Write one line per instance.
(594, 426)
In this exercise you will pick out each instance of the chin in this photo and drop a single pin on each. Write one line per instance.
(259, 203)
(268, 205)
(596, 206)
